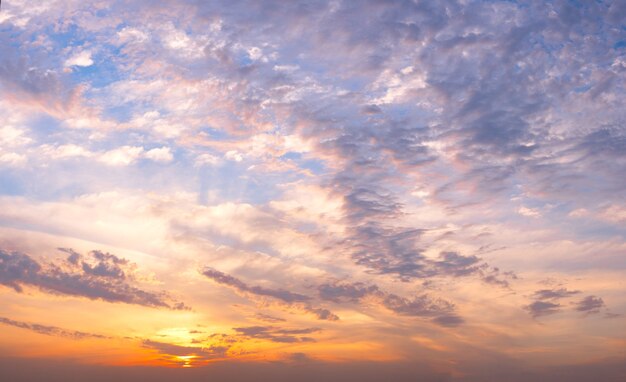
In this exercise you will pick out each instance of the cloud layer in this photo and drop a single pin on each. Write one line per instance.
(410, 182)
(102, 277)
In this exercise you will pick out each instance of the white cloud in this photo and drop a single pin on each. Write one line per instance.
(529, 212)
(206, 158)
(65, 151)
(11, 136)
(161, 154)
(255, 53)
(122, 156)
(128, 35)
(12, 159)
(233, 155)
(82, 58)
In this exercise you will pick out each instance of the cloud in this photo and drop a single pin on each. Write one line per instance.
(210, 352)
(547, 294)
(224, 279)
(98, 276)
(547, 302)
(268, 318)
(122, 156)
(276, 334)
(590, 304)
(50, 330)
(543, 308)
(416, 118)
(419, 306)
(160, 154)
(82, 58)
(289, 298)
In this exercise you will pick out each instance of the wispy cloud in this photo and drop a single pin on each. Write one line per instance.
(50, 330)
(284, 296)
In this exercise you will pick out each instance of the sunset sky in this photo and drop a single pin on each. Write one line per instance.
(312, 190)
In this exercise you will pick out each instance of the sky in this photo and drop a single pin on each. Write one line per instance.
(313, 190)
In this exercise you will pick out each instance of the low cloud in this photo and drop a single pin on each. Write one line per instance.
(50, 330)
(543, 308)
(82, 58)
(280, 294)
(590, 304)
(178, 350)
(97, 276)
(547, 302)
(419, 306)
(274, 334)
(546, 294)
(286, 297)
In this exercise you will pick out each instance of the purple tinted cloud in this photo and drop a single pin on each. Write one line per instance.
(284, 296)
(103, 279)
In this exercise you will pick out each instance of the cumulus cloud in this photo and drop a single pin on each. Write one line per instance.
(160, 154)
(82, 58)
(122, 156)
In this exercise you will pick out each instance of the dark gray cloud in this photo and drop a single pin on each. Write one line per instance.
(419, 306)
(50, 330)
(277, 334)
(339, 292)
(103, 264)
(543, 308)
(555, 294)
(590, 304)
(286, 297)
(98, 276)
(268, 318)
(280, 294)
(547, 302)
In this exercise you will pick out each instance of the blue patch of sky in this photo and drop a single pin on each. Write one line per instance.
(582, 89)
(104, 70)
(588, 229)
(232, 182)
(44, 127)
(10, 183)
(47, 187)
(292, 155)
(122, 113)
(57, 180)
(242, 58)
(316, 166)
(71, 36)
(215, 133)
